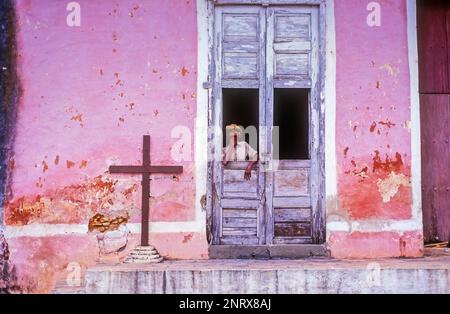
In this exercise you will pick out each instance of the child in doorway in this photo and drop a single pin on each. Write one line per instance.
(239, 150)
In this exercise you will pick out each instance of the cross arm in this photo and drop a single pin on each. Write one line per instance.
(145, 169)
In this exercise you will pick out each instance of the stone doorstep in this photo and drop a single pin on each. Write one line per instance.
(144, 248)
(430, 274)
(143, 253)
(144, 261)
(143, 257)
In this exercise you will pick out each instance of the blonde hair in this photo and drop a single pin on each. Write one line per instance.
(232, 129)
(235, 128)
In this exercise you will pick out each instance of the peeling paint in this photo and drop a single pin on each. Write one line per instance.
(72, 204)
(390, 69)
(187, 238)
(102, 223)
(388, 164)
(70, 164)
(8, 275)
(388, 187)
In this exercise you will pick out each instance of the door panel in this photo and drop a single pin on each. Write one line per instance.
(239, 34)
(291, 32)
(290, 42)
(240, 206)
(435, 133)
(238, 209)
(434, 66)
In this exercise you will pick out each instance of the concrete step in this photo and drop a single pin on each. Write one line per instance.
(424, 275)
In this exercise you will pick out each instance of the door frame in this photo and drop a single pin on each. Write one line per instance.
(319, 216)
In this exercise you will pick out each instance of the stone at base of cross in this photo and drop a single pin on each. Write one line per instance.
(143, 255)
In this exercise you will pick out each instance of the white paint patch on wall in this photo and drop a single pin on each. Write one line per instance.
(48, 230)
(375, 226)
(201, 121)
(416, 172)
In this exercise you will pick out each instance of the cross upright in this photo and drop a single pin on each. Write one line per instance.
(145, 170)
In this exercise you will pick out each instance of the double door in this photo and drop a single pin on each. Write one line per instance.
(266, 80)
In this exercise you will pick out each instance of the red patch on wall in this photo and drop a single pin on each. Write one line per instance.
(184, 71)
(346, 151)
(74, 203)
(187, 238)
(360, 195)
(388, 164)
(375, 244)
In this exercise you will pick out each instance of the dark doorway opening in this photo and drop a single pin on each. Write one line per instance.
(241, 107)
(291, 115)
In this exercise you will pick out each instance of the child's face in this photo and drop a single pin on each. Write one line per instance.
(234, 134)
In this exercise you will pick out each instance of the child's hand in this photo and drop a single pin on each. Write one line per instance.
(248, 174)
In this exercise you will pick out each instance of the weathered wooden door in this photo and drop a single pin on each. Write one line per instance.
(273, 50)
(434, 80)
(238, 204)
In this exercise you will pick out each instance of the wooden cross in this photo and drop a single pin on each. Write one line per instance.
(145, 170)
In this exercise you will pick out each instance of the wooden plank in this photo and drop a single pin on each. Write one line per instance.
(216, 139)
(317, 129)
(292, 240)
(319, 213)
(292, 229)
(292, 26)
(292, 182)
(240, 83)
(234, 181)
(448, 47)
(238, 231)
(239, 240)
(240, 25)
(291, 64)
(267, 139)
(289, 202)
(242, 213)
(239, 203)
(292, 82)
(239, 222)
(292, 214)
(293, 164)
(243, 47)
(262, 222)
(293, 46)
(240, 65)
(435, 133)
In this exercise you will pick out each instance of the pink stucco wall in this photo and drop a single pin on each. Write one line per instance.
(373, 136)
(89, 94)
